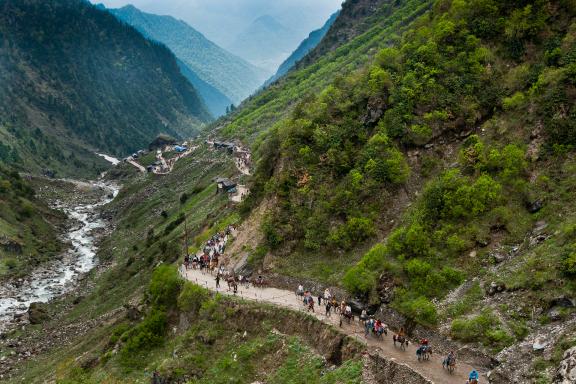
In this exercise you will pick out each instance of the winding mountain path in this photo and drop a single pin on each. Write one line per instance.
(432, 369)
(138, 166)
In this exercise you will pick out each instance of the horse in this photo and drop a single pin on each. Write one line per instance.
(346, 315)
(259, 282)
(424, 352)
(243, 281)
(311, 305)
(213, 265)
(400, 339)
(231, 281)
(380, 331)
(450, 364)
(473, 381)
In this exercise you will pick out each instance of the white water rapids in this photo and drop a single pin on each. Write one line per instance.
(59, 276)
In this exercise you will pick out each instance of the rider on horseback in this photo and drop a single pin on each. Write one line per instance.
(449, 359)
(379, 328)
(300, 290)
(473, 377)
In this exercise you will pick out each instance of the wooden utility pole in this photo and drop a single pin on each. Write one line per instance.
(186, 233)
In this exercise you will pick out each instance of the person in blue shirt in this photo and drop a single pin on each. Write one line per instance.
(473, 376)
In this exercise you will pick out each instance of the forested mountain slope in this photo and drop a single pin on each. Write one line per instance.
(435, 152)
(230, 75)
(377, 28)
(75, 79)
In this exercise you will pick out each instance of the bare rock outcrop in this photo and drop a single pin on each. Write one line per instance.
(566, 372)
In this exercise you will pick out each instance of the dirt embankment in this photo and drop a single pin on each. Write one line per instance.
(328, 341)
(380, 370)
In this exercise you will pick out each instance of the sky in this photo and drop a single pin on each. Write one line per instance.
(222, 20)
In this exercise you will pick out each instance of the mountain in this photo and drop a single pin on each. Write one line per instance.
(220, 77)
(265, 43)
(75, 80)
(419, 164)
(305, 46)
(419, 158)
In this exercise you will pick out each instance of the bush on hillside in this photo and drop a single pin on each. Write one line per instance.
(146, 335)
(419, 309)
(165, 286)
(192, 297)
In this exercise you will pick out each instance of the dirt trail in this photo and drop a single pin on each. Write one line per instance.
(431, 369)
(138, 166)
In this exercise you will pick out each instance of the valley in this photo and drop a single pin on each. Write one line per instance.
(54, 278)
(398, 196)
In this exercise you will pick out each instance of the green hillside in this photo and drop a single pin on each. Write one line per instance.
(433, 151)
(28, 228)
(420, 162)
(75, 80)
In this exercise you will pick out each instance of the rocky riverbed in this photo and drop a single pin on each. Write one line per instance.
(81, 202)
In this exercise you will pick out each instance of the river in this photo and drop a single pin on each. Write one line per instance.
(57, 277)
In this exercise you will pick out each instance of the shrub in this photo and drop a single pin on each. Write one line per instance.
(515, 101)
(273, 237)
(361, 279)
(412, 241)
(455, 244)
(475, 328)
(420, 134)
(148, 334)
(10, 262)
(569, 264)
(192, 297)
(419, 309)
(26, 208)
(356, 230)
(383, 161)
(417, 268)
(174, 224)
(165, 286)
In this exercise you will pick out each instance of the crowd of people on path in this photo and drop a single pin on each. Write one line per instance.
(374, 326)
(207, 259)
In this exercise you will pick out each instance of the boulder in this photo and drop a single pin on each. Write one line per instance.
(535, 206)
(356, 304)
(540, 344)
(38, 313)
(374, 110)
(566, 372)
(495, 288)
(132, 312)
(563, 302)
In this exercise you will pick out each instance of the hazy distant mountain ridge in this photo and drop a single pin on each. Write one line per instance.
(305, 46)
(265, 43)
(76, 80)
(231, 76)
